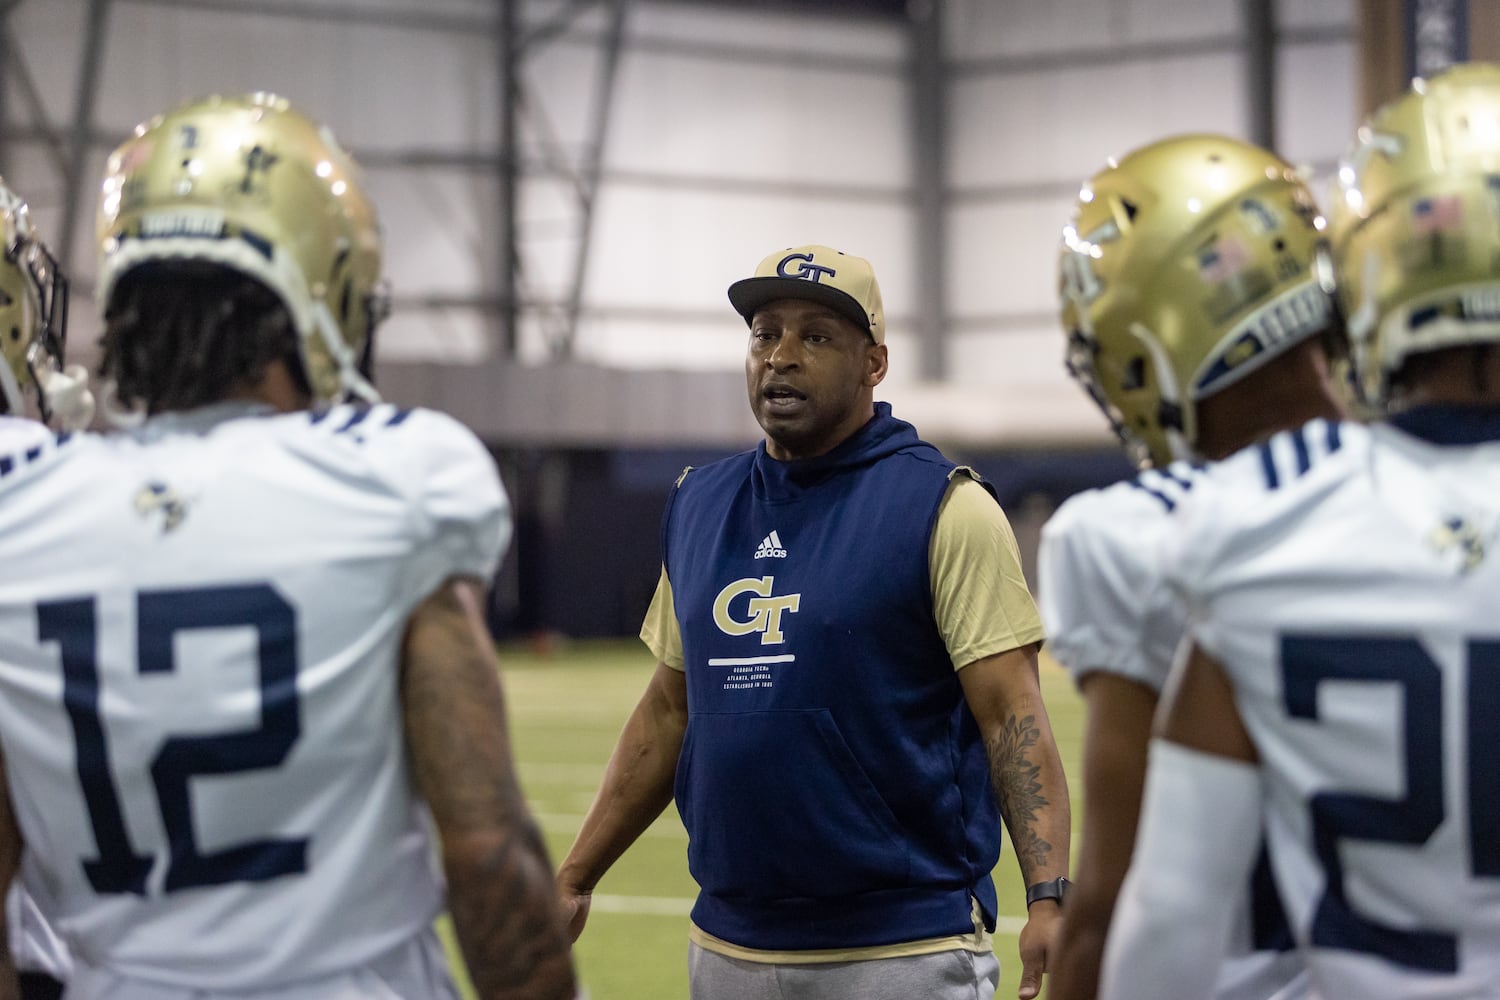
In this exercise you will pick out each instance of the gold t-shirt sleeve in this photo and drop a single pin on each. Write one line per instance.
(659, 631)
(979, 594)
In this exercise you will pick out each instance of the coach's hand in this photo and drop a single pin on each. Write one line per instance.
(574, 904)
(1038, 945)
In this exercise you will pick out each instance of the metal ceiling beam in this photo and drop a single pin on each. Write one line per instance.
(560, 28)
(557, 164)
(1095, 57)
(929, 138)
(603, 102)
(339, 13)
(31, 95)
(1259, 18)
(508, 262)
(7, 54)
(551, 29)
(83, 126)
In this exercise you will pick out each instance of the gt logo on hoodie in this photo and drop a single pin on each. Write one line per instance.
(764, 611)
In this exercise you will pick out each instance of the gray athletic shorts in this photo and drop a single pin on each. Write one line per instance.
(945, 975)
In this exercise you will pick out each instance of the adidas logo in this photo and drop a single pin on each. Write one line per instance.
(770, 548)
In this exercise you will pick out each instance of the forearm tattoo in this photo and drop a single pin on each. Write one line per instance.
(500, 888)
(1018, 789)
(507, 924)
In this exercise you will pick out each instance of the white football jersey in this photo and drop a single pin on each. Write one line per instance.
(18, 434)
(200, 633)
(33, 944)
(1341, 574)
(1108, 608)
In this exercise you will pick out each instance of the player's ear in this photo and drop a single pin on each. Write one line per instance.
(877, 363)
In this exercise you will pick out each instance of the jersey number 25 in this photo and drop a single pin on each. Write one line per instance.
(1308, 661)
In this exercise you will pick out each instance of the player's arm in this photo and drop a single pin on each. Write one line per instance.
(1200, 831)
(1118, 729)
(989, 623)
(499, 880)
(1004, 693)
(10, 861)
(637, 786)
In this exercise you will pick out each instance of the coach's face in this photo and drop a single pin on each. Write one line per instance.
(812, 376)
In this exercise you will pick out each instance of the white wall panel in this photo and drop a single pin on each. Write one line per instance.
(692, 342)
(378, 86)
(989, 28)
(450, 336)
(734, 133)
(50, 34)
(1317, 101)
(32, 174)
(1002, 257)
(1315, 14)
(558, 80)
(790, 125)
(682, 248)
(788, 34)
(903, 350)
(440, 229)
(391, 6)
(689, 344)
(1062, 124)
(1011, 387)
(1031, 356)
(977, 29)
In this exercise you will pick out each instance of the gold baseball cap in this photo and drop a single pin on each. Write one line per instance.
(840, 281)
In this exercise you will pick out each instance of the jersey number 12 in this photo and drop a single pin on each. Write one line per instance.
(160, 616)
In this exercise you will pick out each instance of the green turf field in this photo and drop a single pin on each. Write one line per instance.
(566, 712)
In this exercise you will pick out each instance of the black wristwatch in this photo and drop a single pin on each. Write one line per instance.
(1053, 889)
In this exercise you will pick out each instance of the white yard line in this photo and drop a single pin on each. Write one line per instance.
(646, 906)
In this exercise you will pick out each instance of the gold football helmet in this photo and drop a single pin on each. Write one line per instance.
(1415, 225)
(1187, 264)
(34, 323)
(252, 184)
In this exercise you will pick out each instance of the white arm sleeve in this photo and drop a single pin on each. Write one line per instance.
(1200, 830)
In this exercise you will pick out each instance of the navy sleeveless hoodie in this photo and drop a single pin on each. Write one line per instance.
(832, 780)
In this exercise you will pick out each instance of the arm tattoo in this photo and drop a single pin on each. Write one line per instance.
(1018, 789)
(506, 921)
(500, 887)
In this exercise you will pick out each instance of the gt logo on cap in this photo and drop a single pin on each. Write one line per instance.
(807, 270)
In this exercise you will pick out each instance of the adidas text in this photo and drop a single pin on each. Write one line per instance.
(770, 548)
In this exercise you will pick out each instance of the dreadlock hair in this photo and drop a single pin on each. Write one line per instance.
(184, 333)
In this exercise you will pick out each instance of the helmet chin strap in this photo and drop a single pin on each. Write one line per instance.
(10, 391)
(68, 396)
(348, 365)
(1177, 443)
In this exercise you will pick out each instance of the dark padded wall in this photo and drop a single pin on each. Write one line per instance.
(586, 553)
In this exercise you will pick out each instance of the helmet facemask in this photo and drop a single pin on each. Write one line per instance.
(33, 326)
